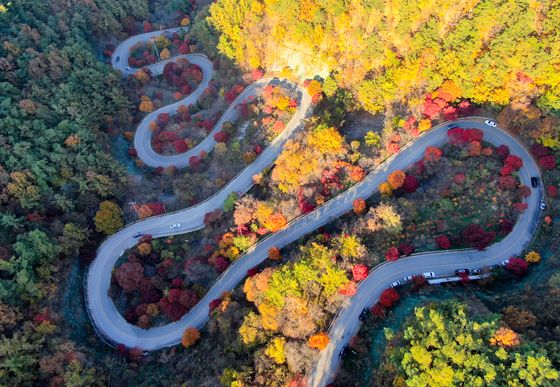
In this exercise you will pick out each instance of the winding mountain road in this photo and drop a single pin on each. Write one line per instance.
(111, 325)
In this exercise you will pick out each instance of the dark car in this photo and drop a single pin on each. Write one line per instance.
(364, 314)
(343, 352)
(476, 271)
(534, 182)
(138, 235)
(462, 271)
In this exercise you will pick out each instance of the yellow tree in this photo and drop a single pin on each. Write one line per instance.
(109, 217)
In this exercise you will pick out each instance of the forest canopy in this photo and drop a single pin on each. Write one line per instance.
(395, 51)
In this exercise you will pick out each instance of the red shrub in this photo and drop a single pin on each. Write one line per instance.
(389, 298)
(524, 191)
(359, 272)
(474, 235)
(252, 272)
(514, 162)
(432, 154)
(443, 242)
(221, 136)
(507, 182)
(180, 146)
(547, 163)
(177, 283)
(392, 254)
(378, 310)
(459, 178)
(506, 170)
(188, 298)
(520, 207)
(406, 248)
(517, 266)
(410, 184)
(539, 151)
(221, 264)
(552, 191)
(214, 304)
(502, 151)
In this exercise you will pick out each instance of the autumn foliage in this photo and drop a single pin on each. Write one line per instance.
(389, 298)
(505, 337)
(190, 337)
(274, 254)
(359, 206)
(319, 341)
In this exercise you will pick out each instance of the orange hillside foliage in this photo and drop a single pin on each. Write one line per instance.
(319, 341)
(505, 337)
(190, 337)
(396, 179)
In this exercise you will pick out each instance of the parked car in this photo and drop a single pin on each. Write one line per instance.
(138, 235)
(429, 274)
(174, 226)
(505, 262)
(476, 271)
(490, 123)
(543, 205)
(364, 314)
(343, 352)
(534, 182)
(408, 277)
(462, 272)
(395, 284)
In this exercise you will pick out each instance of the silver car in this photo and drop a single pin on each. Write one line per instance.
(174, 226)
(543, 205)
(429, 274)
(396, 284)
(490, 123)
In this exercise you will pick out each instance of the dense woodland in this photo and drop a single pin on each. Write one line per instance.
(380, 73)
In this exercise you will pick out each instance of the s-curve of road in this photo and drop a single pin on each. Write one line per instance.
(111, 325)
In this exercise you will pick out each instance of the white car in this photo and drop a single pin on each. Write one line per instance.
(408, 277)
(174, 226)
(490, 123)
(429, 274)
(128, 68)
(543, 205)
(505, 262)
(395, 284)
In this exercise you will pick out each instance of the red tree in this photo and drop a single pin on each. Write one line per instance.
(517, 266)
(410, 183)
(552, 191)
(474, 235)
(502, 151)
(443, 242)
(406, 248)
(392, 254)
(547, 163)
(432, 154)
(389, 298)
(514, 162)
(359, 272)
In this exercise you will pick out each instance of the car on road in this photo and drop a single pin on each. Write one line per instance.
(364, 314)
(175, 225)
(462, 272)
(408, 277)
(138, 235)
(118, 59)
(396, 284)
(505, 262)
(476, 271)
(128, 68)
(429, 274)
(543, 205)
(490, 123)
(343, 352)
(534, 182)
